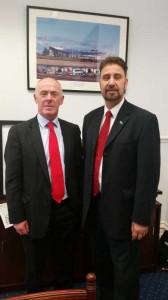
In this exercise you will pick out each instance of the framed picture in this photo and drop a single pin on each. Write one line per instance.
(69, 45)
(4, 129)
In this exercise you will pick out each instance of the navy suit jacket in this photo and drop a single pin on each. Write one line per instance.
(131, 167)
(28, 188)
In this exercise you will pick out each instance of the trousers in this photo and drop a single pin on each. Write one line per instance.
(60, 241)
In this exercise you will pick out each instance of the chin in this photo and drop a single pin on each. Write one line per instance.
(48, 116)
(111, 98)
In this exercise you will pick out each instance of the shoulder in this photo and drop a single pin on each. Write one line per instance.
(144, 120)
(68, 125)
(94, 112)
(23, 125)
(137, 110)
(138, 113)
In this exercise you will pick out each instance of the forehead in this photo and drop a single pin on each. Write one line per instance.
(48, 84)
(112, 69)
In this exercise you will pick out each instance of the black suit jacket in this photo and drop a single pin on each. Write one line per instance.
(131, 166)
(28, 188)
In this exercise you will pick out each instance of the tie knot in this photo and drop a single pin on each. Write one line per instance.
(50, 125)
(108, 114)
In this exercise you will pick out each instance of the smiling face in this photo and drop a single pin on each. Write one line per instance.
(48, 96)
(113, 84)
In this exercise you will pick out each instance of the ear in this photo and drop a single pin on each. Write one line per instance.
(62, 100)
(126, 83)
(35, 98)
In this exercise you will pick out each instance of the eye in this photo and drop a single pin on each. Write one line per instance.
(106, 77)
(117, 76)
(54, 94)
(43, 94)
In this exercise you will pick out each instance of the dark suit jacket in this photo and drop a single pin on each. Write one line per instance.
(28, 188)
(131, 166)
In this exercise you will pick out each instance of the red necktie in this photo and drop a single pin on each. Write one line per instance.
(57, 179)
(102, 138)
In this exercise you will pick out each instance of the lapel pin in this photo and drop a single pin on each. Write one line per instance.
(121, 122)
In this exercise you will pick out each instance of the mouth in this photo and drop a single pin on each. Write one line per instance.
(48, 108)
(112, 91)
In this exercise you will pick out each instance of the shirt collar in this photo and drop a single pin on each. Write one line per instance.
(115, 109)
(43, 121)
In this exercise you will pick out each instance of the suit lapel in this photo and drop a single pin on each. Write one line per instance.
(97, 118)
(67, 144)
(38, 145)
(121, 120)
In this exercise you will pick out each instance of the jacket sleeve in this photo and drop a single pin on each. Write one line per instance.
(14, 177)
(148, 171)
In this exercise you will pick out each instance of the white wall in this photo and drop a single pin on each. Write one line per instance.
(147, 62)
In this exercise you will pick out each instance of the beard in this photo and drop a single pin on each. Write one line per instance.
(113, 95)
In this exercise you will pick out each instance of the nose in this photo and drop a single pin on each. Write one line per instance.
(111, 81)
(49, 97)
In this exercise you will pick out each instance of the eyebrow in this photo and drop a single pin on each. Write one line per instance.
(109, 74)
(48, 91)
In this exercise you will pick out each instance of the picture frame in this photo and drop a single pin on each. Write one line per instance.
(4, 129)
(69, 46)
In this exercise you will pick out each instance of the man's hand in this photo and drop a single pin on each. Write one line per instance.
(22, 228)
(138, 231)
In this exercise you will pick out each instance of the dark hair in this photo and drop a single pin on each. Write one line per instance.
(114, 60)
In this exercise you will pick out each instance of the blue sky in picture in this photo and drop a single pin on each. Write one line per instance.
(77, 35)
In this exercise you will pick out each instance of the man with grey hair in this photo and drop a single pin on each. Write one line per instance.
(44, 198)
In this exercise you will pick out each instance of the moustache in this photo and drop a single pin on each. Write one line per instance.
(111, 90)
